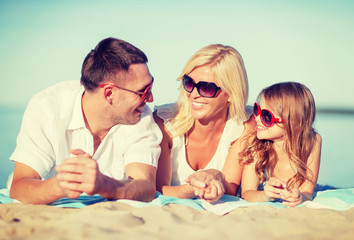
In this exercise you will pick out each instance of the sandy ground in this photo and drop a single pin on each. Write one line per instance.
(112, 220)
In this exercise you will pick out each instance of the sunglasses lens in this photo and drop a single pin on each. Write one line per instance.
(255, 110)
(266, 117)
(188, 83)
(207, 89)
(146, 93)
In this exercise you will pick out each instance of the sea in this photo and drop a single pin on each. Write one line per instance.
(336, 129)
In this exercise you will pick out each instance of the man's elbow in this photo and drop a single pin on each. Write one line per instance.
(150, 192)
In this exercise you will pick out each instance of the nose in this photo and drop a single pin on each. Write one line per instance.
(257, 118)
(195, 93)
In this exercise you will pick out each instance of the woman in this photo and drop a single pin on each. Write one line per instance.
(198, 131)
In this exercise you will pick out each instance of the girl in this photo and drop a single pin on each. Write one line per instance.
(282, 157)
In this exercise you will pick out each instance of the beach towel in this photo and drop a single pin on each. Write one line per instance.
(336, 199)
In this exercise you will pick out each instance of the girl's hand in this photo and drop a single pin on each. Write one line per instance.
(293, 197)
(274, 188)
(213, 192)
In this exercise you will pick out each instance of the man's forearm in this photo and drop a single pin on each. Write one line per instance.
(36, 191)
(134, 189)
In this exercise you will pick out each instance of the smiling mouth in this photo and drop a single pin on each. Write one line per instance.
(198, 104)
(259, 127)
(139, 110)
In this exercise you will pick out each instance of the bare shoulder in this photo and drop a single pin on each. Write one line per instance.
(166, 134)
(249, 128)
(160, 122)
(315, 155)
(250, 125)
(318, 138)
(157, 119)
(318, 143)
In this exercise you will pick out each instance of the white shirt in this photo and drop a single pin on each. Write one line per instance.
(180, 167)
(53, 123)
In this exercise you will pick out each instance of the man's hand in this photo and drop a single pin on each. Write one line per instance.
(79, 174)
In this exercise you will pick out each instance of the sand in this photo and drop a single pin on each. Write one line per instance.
(112, 220)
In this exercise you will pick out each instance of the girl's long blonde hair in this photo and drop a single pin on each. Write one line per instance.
(229, 71)
(294, 103)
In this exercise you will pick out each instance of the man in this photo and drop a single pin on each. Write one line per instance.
(98, 138)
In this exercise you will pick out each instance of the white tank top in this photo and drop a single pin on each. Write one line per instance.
(180, 168)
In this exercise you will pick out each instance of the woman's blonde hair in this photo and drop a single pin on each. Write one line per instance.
(229, 71)
(294, 103)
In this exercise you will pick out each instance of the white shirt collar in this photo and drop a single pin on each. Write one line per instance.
(77, 120)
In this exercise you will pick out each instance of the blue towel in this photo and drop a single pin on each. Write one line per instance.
(337, 199)
(80, 202)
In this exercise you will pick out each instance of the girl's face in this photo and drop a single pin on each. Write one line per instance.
(203, 108)
(275, 132)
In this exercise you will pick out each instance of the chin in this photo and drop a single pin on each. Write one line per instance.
(198, 114)
(131, 121)
(261, 136)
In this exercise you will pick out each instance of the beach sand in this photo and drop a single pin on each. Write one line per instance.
(112, 220)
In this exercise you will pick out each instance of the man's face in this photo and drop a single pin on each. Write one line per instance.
(127, 106)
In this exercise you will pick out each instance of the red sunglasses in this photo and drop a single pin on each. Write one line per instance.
(267, 117)
(143, 95)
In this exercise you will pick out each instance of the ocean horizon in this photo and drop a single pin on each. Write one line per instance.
(333, 124)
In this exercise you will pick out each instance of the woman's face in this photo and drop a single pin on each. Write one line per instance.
(275, 132)
(206, 109)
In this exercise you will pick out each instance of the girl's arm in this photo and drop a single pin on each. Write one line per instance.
(249, 185)
(273, 188)
(305, 193)
(232, 169)
(313, 165)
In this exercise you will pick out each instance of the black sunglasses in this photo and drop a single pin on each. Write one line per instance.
(205, 89)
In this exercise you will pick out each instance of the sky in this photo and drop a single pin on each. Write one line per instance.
(312, 42)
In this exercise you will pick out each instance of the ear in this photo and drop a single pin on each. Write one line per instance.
(108, 94)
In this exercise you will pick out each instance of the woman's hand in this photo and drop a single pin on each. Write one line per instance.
(274, 188)
(207, 184)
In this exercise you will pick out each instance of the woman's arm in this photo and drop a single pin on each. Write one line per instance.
(182, 191)
(164, 168)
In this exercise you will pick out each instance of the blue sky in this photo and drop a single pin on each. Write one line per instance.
(45, 42)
